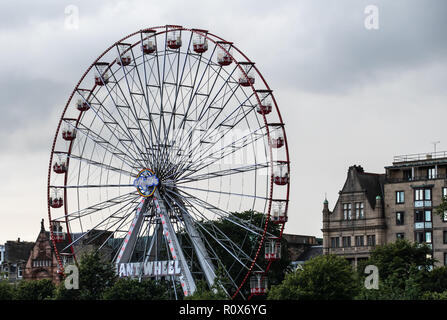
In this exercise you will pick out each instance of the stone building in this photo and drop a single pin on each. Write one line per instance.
(42, 262)
(357, 223)
(15, 254)
(415, 187)
(375, 209)
(301, 248)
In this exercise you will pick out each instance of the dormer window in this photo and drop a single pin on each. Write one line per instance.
(347, 211)
(359, 210)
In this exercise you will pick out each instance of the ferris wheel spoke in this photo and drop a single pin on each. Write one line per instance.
(114, 131)
(181, 187)
(152, 130)
(92, 186)
(240, 223)
(121, 219)
(103, 143)
(222, 239)
(221, 173)
(208, 108)
(106, 204)
(101, 165)
(194, 94)
(179, 86)
(226, 127)
(130, 137)
(134, 102)
(220, 155)
(135, 125)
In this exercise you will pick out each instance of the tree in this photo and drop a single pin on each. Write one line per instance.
(404, 268)
(216, 292)
(133, 289)
(441, 210)
(246, 242)
(326, 277)
(6, 291)
(34, 290)
(95, 276)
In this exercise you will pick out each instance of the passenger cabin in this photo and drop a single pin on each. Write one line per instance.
(258, 284)
(272, 249)
(224, 54)
(55, 200)
(200, 44)
(174, 40)
(101, 73)
(281, 175)
(124, 54)
(246, 75)
(265, 106)
(148, 46)
(279, 212)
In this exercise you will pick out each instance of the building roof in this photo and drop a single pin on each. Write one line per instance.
(310, 253)
(17, 251)
(360, 181)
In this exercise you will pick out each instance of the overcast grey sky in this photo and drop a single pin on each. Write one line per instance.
(348, 95)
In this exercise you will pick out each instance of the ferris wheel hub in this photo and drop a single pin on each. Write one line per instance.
(146, 182)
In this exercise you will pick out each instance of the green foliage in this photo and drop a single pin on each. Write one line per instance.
(247, 242)
(204, 293)
(434, 295)
(398, 259)
(132, 289)
(326, 277)
(442, 207)
(6, 290)
(95, 276)
(405, 272)
(216, 292)
(394, 287)
(436, 280)
(34, 290)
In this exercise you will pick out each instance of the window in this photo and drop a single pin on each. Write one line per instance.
(428, 236)
(419, 216)
(444, 194)
(445, 258)
(335, 242)
(347, 211)
(371, 240)
(346, 242)
(431, 173)
(19, 272)
(422, 236)
(359, 241)
(408, 175)
(427, 215)
(400, 196)
(422, 197)
(399, 218)
(400, 235)
(359, 212)
(444, 233)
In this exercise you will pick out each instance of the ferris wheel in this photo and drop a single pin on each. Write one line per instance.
(171, 156)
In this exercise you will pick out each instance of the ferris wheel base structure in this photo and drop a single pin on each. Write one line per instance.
(172, 145)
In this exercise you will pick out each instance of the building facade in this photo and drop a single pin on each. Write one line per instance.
(42, 262)
(375, 209)
(15, 254)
